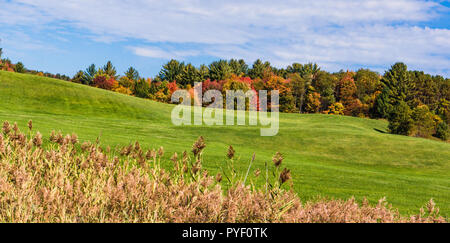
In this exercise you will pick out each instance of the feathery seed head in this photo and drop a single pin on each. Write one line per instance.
(277, 159)
(30, 125)
(198, 146)
(219, 177)
(231, 152)
(174, 157)
(285, 175)
(160, 152)
(37, 140)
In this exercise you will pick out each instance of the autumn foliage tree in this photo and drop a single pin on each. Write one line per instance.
(312, 104)
(346, 92)
(335, 109)
(105, 82)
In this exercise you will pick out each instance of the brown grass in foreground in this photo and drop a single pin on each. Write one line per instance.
(68, 182)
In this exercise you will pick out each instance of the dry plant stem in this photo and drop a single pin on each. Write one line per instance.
(64, 182)
(249, 166)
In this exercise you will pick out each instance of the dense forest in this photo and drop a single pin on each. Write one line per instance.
(414, 103)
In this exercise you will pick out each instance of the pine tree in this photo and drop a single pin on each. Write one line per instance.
(382, 106)
(310, 70)
(141, 88)
(397, 87)
(426, 88)
(259, 69)
(189, 75)
(132, 74)
(398, 83)
(204, 72)
(89, 75)
(110, 70)
(171, 71)
(220, 70)
(79, 77)
(238, 67)
(400, 121)
(294, 68)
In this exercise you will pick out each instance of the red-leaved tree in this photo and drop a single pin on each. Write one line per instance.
(104, 82)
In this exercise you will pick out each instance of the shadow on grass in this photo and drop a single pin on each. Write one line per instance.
(380, 131)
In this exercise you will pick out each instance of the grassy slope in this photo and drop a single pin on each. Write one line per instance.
(331, 156)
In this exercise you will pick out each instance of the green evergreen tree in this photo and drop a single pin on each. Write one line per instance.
(382, 106)
(110, 70)
(79, 77)
(220, 70)
(89, 75)
(309, 71)
(171, 71)
(190, 75)
(259, 69)
(280, 72)
(141, 88)
(287, 103)
(398, 83)
(294, 68)
(400, 121)
(204, 72)
(19, 68)
(238, 67)
(132, 74)
(426, 89)
(442, 131)
(398, 88)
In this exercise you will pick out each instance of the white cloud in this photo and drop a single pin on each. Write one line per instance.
(334, 33)
(155, 52)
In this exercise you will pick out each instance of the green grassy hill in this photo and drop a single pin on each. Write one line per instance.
(332, 156)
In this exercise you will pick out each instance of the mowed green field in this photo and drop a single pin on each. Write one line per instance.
(330, 156)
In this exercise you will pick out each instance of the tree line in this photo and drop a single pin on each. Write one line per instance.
(414, 103)
(7, 65)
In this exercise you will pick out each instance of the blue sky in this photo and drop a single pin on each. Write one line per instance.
(66, 36)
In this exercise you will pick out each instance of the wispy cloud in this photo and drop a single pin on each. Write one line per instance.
(155, 52)
(334, 33)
